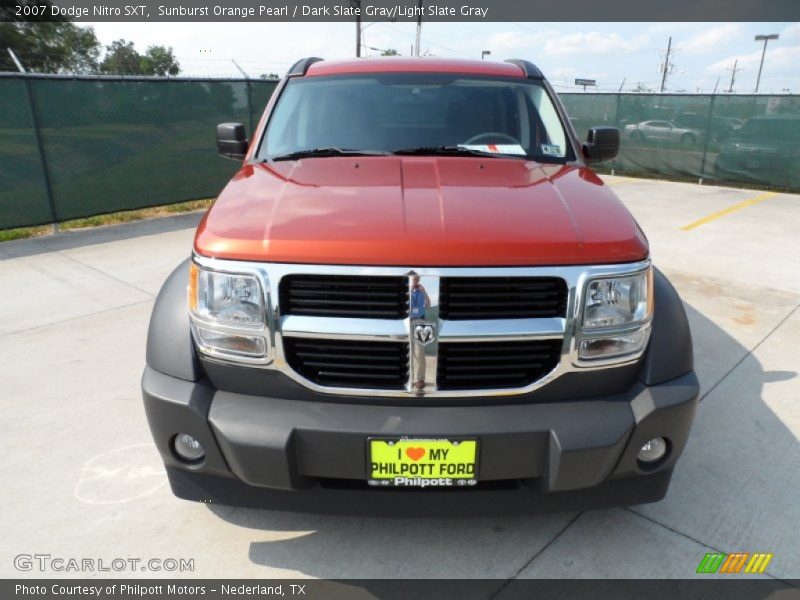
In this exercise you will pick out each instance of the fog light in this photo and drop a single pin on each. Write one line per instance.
(188, 448)
(653, 450)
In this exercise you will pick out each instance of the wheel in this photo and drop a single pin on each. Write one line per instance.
(688, 139)
(637, 135)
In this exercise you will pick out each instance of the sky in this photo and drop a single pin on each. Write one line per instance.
(614, 54)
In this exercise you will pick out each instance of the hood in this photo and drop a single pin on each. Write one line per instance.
(419, 211)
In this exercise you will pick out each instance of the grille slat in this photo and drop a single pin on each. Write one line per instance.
(346, 363)
(464, 366)
(385, 365)
(473, 298)
(372, 296)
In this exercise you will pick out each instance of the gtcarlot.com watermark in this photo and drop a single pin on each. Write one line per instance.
(47, 563)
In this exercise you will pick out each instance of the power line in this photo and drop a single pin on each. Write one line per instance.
(427, 41)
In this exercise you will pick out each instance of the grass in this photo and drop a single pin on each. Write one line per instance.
(6, 235)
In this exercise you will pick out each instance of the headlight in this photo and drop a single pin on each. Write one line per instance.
(228, 315)
(615, 301)
(615, 322)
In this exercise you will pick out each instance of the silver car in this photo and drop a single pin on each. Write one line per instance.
(663, 131)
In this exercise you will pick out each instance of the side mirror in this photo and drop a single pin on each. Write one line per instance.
(602, 143)
(231, 140)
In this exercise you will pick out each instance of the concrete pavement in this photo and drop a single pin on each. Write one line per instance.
(82, 478)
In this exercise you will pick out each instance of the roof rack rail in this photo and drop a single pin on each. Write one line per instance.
(531, 70)
(299, 68)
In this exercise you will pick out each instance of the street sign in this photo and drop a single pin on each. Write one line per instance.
(586, 82)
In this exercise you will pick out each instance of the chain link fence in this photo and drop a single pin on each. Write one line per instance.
(752, 139)
(73, 147)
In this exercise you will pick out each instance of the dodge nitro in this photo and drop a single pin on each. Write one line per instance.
(416, 292)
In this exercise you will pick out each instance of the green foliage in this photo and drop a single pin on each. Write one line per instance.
(49, 47)
(122, 59)
(159, 60)
(390, 52)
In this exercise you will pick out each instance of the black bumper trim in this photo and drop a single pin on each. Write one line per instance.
(519, 499)
(271, 443)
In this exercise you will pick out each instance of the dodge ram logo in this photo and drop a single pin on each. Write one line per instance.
(424, 333)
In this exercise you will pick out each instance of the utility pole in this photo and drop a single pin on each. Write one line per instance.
(766, 38)
(716, 85)
(419, 27)
(357, 5)
(733, 75)
(667, 66)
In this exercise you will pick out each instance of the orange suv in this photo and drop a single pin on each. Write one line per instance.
(416, 293)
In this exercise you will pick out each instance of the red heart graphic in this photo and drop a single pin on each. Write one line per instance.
(415, 453)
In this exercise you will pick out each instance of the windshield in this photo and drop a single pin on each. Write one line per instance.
(419, 113)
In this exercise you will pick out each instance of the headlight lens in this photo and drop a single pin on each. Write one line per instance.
(228, 299)
(615, 301)
(616, 312)
(228, 316)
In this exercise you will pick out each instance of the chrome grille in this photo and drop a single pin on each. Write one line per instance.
(465, 298)
(342, 363)
(352, 330)
(345, 296)
(494, 365)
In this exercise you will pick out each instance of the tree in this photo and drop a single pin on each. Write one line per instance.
(390, 52)
(121, 59)
(49, 47)
(159, 60)
(269, 76)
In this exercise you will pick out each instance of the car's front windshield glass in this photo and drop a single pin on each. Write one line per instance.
(418, 113)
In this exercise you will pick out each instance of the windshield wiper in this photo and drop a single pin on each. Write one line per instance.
(450, 151)
(323, 152)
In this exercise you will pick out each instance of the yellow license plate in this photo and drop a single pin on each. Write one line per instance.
(422, 462)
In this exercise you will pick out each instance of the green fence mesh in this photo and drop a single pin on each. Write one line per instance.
(119, 144)
(114, 145)
(23, 190)
(745, 139)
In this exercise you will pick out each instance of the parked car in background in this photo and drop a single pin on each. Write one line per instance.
(765, 150)
(718, 128)
(663, 131)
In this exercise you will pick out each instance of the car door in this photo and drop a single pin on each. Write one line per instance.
(660, 130)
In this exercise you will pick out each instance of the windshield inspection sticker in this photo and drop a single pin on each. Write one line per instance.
(551, 150)
(496, 148)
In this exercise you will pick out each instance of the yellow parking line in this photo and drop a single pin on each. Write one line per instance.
(730, 209)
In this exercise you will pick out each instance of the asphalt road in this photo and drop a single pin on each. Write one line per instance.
(82, 479)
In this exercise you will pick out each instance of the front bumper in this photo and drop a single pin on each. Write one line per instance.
(310, 455)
